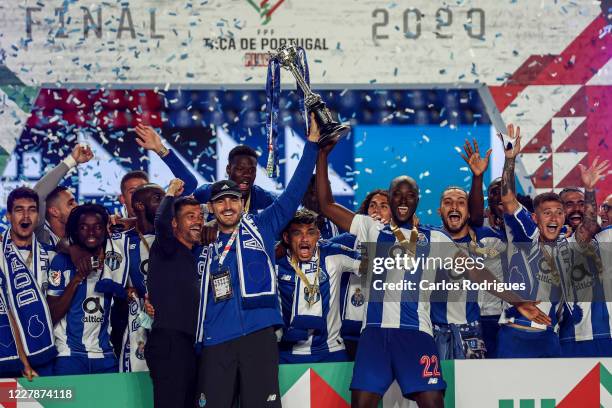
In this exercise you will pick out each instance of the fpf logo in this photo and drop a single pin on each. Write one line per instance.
(265, 8)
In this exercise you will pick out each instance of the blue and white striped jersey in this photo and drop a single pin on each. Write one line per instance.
(406, 309)
(529, 265)
(334, 260)
(352, 297)
(462, 306)
(135, 337)
(85, 328)
(587, 315)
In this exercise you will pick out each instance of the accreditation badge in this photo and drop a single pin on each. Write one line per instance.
(222, 285)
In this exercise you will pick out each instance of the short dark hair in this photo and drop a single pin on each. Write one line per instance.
(571, 190)
(72, 225)
(545, 197)
(303, 216)
(135, 174)
(241, 150)
(140, 191)
(182, 202)
(452, 188)
(18, 193)
(54, 195)
(365, 204)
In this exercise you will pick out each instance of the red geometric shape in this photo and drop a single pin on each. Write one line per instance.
(573, 179)
(543, 176)
(505, 94)
(577, 141)
(5, 400)
(530, 69)
(576, 106)
(322, 395)
(541, 139)
(585, 394)
(581, 59)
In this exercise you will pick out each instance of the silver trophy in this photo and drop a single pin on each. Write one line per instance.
(330, 130)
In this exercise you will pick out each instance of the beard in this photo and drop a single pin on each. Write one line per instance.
(455, 229)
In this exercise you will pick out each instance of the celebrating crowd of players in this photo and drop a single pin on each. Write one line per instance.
(222, 282)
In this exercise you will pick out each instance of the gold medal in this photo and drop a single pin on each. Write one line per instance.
(311, 290)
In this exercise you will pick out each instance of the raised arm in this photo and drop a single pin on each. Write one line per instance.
(44, 186)
(163, 219)
(508, 179)
(277, 215)
(590, 176)
(339, 215)
(478, 166)
(149, 139)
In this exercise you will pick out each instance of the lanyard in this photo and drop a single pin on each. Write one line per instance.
(227, 247)
(551, 263)
(247, 205)
(487, 252)
(144, 241)
(311, 287)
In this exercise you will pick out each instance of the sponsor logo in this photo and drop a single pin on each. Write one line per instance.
(271, 398)
(91, 307)
(432, 381)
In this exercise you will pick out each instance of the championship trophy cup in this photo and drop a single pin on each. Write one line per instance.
(329, 129)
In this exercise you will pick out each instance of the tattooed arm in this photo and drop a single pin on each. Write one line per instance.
(508, 195)
(478, 165)
(590, 176)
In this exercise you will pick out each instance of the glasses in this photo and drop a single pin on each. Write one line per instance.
(605, 207)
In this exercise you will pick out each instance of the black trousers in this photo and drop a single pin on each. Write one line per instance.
(171, 358)
(244, 369)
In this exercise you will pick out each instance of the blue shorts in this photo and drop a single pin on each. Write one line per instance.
(587, 348)
(490, 328)
(516, 343)
(81, 364)
(334, 357)
(408, 356)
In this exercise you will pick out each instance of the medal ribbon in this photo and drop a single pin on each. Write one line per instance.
(295, 264)
(273, 109)
(247, 205)
(144, 241)
(477, 249)
(399, 235)
(550, 261)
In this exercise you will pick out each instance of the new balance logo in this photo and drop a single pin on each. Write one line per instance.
(271, 398)
(432, 381)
